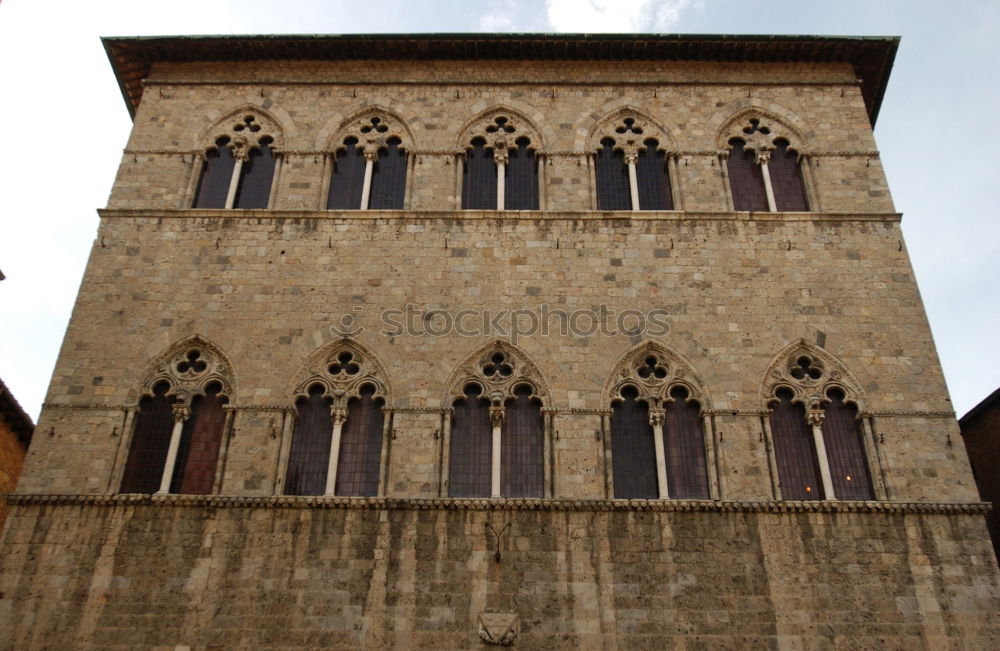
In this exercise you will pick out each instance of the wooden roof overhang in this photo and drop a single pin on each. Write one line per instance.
(871, 56)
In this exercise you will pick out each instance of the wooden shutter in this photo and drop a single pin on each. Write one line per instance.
(684, 444)
(653, 179)
(388, 178)
(520, 191)
(786, 178)
(216, 175)
(310, 454)
(613, 191)
(198, 453)
(633, 451)
(150, 440)
(794, 450)
(845, 450)
(360, 456)
(470, 464)
(745, 178)
(347, 180)
(522, 450)
(479, 185)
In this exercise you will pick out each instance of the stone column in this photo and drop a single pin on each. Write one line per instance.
(338, 415)
(815, 419)
(371, 155)
(181, 413)
(633, 181)
(497, 414)
(501, 159)
(656, 420)
(762, 158)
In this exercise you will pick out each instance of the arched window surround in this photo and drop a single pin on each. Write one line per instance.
(814, 381)
(345, 376)
(661, 380)
(195, 377)
(638, 139)
(500, 133)
(502, 376)
(251, 141)
(776, 154)
(377, 132)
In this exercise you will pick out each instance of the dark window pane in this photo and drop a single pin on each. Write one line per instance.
(361, 446)
(786, 178)
(216, 175)
(388, 178)
(613, 191)
(310, 453)
(347, 181)
(845, 451)
(198, 453)
(794, 451)
(470, 464)
(520, 191)
(746, 179)
(522, 449)
(479, 185)
(654, 182)
(633, 451)
(150, 440)
(255, 177)
(684, 445)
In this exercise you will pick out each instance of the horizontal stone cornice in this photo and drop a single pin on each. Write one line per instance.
(484, 504)
(258, 216)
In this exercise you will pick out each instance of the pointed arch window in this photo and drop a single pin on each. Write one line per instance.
(368, 172)
(238, 170)
(631, 169)
(819, 444)
(497, 430)
(178, 431)
(501, 168)
(765, 171)
(658, 444)
(339, 432)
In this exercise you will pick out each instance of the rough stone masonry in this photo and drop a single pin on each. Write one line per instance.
(264, 293)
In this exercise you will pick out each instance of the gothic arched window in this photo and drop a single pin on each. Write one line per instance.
(658, 446)
(238, 169)
(501, 167)
(369, 170)
(764, 171)
(336, 446)
(178, 430)
(633, 453)
(819, 445)
(631, 169)
(497, 430)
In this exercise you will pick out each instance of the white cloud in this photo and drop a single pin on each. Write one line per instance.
(499, 17)
(597, 16)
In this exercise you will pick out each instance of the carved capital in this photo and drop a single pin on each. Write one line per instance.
(656, 418)
(815, 417)
(631, 155)
(500, 153)
(181, 413)
(497, 415)
(338, 415)
(763, 156)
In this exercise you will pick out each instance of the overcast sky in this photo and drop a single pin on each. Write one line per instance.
(65, 124)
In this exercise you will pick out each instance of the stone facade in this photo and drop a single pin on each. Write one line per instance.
(271, 293)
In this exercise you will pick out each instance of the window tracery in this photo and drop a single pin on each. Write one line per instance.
(632, 164)
(497, 432)
(238, 167)
(658, 443)
(368, 170)
(501, 164)
(818, 439)
(764, 168)
(339, 430)
(177, 435)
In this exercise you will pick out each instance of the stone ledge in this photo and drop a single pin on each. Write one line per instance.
(496, 215)
(482, 504)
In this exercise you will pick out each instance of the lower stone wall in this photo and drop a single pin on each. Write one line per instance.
(141, 572)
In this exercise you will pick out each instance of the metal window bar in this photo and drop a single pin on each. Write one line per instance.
(794, 451)
(684, 444)
(633, 452)
(347, 179)
(153, 426)
(216, 175)
(471, 451)
(653, 178)
(361, 446)
(479, 185)
(522, 448)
